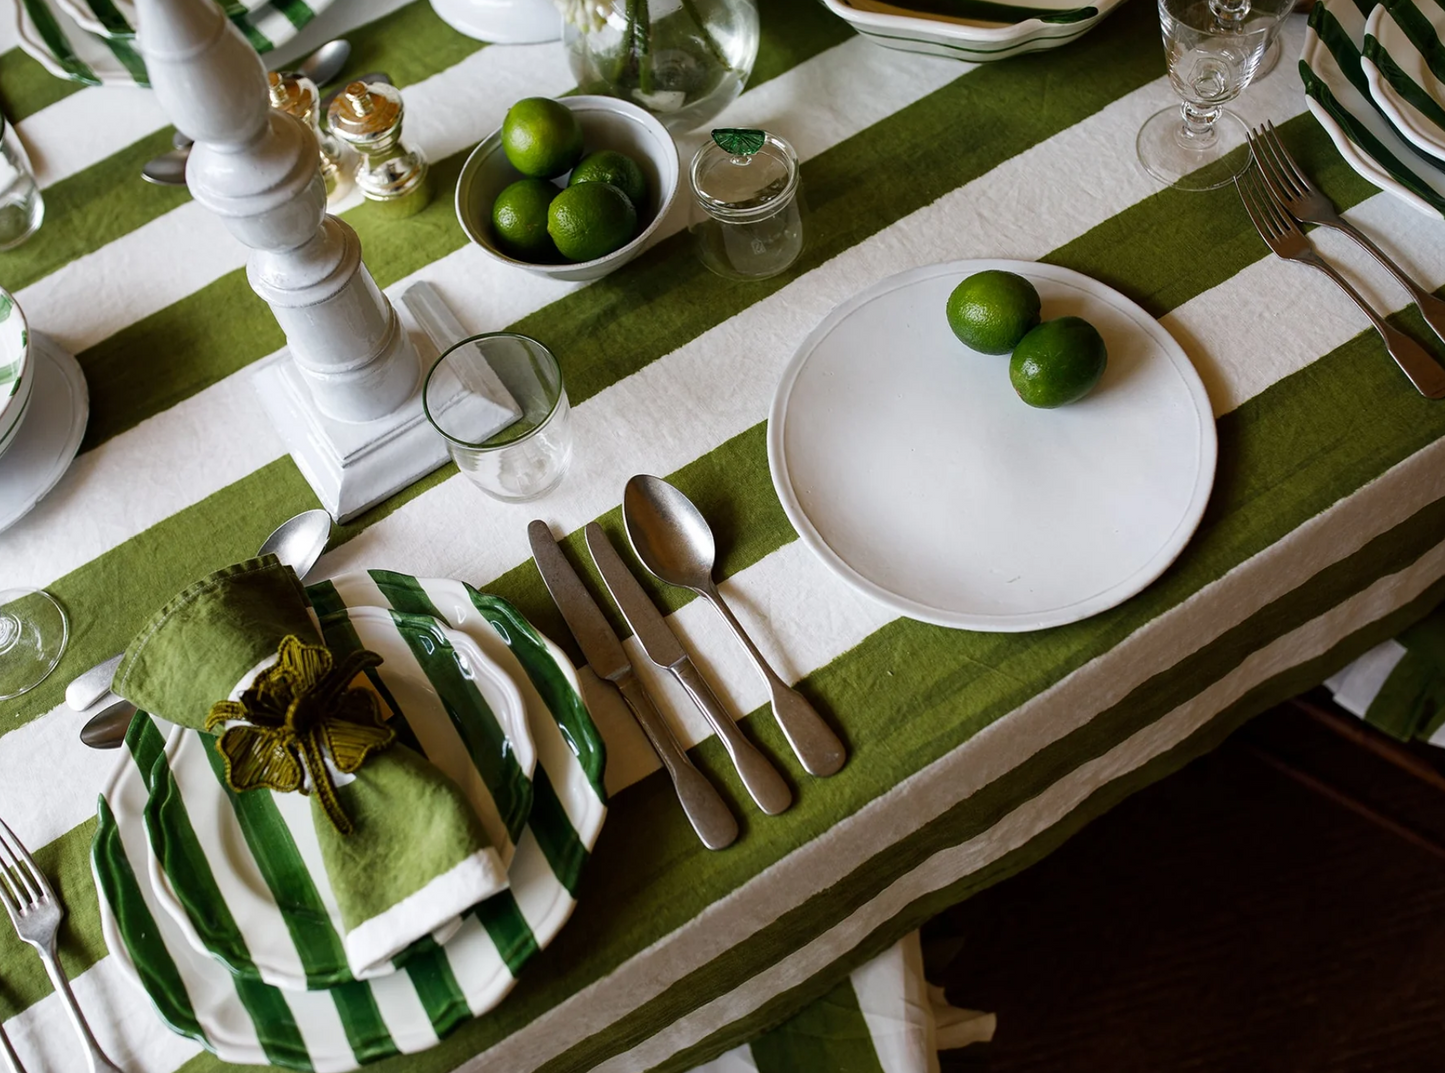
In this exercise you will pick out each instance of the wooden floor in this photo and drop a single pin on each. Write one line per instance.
(1225, 919)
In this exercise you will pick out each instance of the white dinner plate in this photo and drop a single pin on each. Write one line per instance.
(46, 441)
(911, 468)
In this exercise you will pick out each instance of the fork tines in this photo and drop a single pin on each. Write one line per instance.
(1276, 165)
(1270, 219)
(22, 884)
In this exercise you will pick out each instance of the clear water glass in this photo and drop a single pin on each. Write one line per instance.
(1213, 49)
(528, 455)
(21, 206)
(34, 630)
(748, 210)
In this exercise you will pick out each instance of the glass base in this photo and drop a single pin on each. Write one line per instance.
(1168, 153)
(33, 634)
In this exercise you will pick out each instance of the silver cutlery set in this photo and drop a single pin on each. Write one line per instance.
(672, 540)
(1279, 197)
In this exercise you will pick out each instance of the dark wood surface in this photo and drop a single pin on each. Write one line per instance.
(1227, 918)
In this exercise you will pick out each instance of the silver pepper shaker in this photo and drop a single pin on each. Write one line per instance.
(297, 95)
(391, 174)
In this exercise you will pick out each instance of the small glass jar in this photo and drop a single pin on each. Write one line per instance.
(747, 209)
(21, 206)
(392, 174)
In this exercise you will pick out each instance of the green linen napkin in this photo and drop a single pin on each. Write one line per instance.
(1411, 702)
(416, 857)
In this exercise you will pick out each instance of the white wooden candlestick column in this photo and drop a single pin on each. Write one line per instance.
(345, 394)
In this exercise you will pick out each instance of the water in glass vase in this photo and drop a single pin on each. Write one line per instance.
(682, 60)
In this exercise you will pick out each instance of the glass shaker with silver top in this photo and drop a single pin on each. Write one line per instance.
(296, 95)
(392, 174)
(747, 204)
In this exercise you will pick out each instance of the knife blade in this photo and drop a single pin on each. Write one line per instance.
(763, 782)
(704, 807)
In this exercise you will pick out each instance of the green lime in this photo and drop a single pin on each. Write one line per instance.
(610, 166)
(991, 311)
(1057, 363)
(519, 218)
(541, 138)
(591, 220)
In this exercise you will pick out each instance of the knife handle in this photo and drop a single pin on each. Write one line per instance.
(705, 808)
(762, 780)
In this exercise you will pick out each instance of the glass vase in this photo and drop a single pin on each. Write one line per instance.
(682, 60)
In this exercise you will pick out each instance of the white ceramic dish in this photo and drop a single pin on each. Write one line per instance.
(1364, 137)
(54, 425)
(607, 123)
(268, 951)
(1396, 70)
(17, 369)
(973, 41)
(911, 468)
(339, 1029)
(503, 22)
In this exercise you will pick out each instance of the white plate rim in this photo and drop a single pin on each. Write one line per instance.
(46, 350)
(1014, 622)
(1385, 95)
(1014, 33)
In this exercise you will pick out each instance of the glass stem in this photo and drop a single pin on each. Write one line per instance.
(1198, 124)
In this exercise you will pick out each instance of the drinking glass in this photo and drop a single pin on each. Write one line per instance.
(512, 458)
(21, 206)
(33, 634)
(1213, 48)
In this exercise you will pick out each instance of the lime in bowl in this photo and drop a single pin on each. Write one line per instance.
(607, 124)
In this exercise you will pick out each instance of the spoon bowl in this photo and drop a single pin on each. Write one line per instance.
(298, 542)
(326, 62)
(668, 532)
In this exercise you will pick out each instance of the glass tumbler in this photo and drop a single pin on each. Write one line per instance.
(511, 458)
(1213, 49)
(747, 209)
(21, 206)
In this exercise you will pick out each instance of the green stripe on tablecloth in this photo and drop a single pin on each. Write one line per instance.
(552, 828)
(828, 1035)
(475, 723)
(318, 946)
(26, 87)
(507, 929)
(107, 200)
(58, 44)
(122, 891)
(440, 994)
(1207, 738)
(179, 850)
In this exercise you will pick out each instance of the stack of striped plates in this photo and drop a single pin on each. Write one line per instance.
(1375, 76)
(972, 30)
(93, 41)
(216, 904)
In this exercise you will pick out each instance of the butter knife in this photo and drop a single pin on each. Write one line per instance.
(705, 808)
(662, 647)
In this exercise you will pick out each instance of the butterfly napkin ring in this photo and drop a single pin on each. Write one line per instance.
(297, 714)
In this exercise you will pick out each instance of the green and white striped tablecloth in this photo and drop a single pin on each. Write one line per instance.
(972, 754)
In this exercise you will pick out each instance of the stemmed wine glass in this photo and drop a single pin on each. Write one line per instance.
(33, 634)
(1213, 48)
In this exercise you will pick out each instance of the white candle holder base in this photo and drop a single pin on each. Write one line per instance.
(351, 467)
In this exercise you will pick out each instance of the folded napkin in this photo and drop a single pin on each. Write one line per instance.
(240, 653)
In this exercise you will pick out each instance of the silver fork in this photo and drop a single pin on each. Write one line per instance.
(35, 911)
(1308, 203)
(1282, 235)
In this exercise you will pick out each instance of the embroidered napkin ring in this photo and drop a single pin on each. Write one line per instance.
(295, 716)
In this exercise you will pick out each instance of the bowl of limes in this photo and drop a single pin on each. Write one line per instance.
(571, 188)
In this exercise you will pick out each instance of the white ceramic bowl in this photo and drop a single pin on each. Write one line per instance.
(976, 42)
(607, 123)
(17, 369)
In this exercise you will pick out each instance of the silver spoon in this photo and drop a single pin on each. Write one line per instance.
(672, 539)
(323, 65)
(298, 542)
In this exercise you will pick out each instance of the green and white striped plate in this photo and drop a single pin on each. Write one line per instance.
(1339, 97)
(447, 700)
(90, 41)
(441, 985)
(1404, 62)
(969, 38)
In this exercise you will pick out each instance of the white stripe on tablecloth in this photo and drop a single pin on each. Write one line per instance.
(990, 754)
(221, 434)
(1012, 832)
(114, 117)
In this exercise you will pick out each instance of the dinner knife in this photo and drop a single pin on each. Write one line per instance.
(655, 636)
(705, 808)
